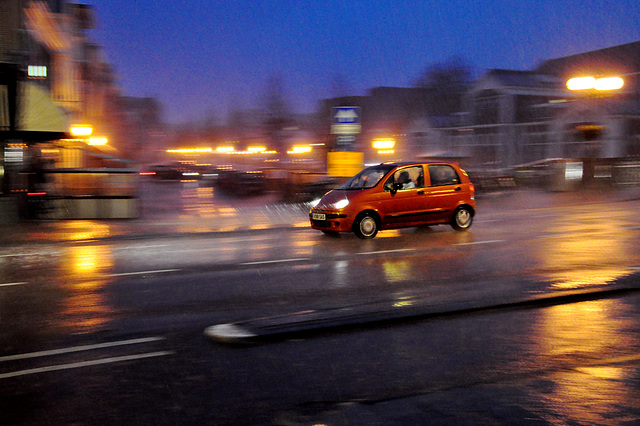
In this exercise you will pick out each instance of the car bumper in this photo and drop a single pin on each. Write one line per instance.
(333, 221)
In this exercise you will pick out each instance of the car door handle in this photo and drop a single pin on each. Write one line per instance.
(458, 188)
(421, 192)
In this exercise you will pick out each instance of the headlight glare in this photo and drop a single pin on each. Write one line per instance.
(341, 204)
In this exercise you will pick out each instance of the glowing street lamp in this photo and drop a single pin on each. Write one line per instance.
(609, 83)
(300, 149)
(384, 144)
(81, 130)
(592, 83)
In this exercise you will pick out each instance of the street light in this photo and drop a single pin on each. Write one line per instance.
(81, 130)
(384, 144)
(97, 141)
(592, 83)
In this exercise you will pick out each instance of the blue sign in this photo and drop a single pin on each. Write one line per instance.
(346, 115)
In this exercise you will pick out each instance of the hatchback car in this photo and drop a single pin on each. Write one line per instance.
(397, 195)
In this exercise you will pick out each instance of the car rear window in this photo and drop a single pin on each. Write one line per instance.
(443, 174)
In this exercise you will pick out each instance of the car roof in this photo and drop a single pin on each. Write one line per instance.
(415, 163)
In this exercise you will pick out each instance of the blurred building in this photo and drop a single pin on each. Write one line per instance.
(52, 77)
(514, 117)
(509, 117)
(144, 131)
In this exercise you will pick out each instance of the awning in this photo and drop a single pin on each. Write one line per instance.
(37, 112)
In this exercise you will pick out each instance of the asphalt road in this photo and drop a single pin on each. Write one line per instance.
(106, 331)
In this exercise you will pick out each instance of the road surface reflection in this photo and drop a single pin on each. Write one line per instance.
(585, 252)
(583, 341)
(85, 308)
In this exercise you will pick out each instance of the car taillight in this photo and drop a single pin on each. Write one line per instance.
(472, 188)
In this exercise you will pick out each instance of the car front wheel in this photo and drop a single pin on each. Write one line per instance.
(366, 226)
(462, 219)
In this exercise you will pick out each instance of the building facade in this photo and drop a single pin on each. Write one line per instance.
(52, 76)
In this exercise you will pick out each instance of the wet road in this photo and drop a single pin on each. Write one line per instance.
(98, 330)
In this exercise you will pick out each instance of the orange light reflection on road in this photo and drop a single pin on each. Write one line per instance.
(573, 337)
(577, 257)
(85, 307)
(397, 270)
(78, 230)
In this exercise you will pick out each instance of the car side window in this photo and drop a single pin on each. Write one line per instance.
(443, 174)
(406, 178)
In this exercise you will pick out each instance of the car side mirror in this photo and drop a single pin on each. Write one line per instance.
(395, 188)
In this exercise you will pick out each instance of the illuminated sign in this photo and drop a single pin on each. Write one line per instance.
(346, 121)
(37, 71)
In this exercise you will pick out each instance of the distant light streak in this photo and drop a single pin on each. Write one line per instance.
(300, 150)
(189, 150)
(97, 141)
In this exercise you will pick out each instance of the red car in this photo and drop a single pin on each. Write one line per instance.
(397, 195)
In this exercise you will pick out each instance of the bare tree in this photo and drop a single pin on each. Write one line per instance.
(339, 86)
(277, 111)
(448, 82)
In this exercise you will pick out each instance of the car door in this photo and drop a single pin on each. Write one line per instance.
(443, 191)
(404, 203)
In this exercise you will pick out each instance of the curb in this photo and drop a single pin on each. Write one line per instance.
(308, 323)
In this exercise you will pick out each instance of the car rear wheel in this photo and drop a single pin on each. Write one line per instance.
(366, 226)
(462, 219)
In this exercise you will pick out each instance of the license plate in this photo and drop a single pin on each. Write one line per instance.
(318, 216)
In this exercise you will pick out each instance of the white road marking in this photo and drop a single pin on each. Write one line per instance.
(80, 348)
(84, 364)
(157, 271)
(480, 242)
(12, 284)
(264, 262)
(385, 251)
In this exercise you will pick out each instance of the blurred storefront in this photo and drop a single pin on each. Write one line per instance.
(52, 76)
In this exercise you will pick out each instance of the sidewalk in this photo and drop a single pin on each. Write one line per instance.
(174, 208)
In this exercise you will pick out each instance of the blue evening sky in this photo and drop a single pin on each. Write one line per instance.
(204, 57)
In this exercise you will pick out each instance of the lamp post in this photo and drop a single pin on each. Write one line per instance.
(593, 87)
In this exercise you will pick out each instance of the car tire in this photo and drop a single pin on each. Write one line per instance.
(365, 226)
(462, 218)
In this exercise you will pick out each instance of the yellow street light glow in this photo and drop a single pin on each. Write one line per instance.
(225, 149)
(591, 83)
(609, 83)
(581, 83)
(81, 130)
(189, 150)
(256, 149)
(384, 144)
(97, 141)
(386, 151)
(300, 150)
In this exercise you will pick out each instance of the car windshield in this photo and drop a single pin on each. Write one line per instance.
(368, 178)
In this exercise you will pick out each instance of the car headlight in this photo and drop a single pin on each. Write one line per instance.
(341, 204)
